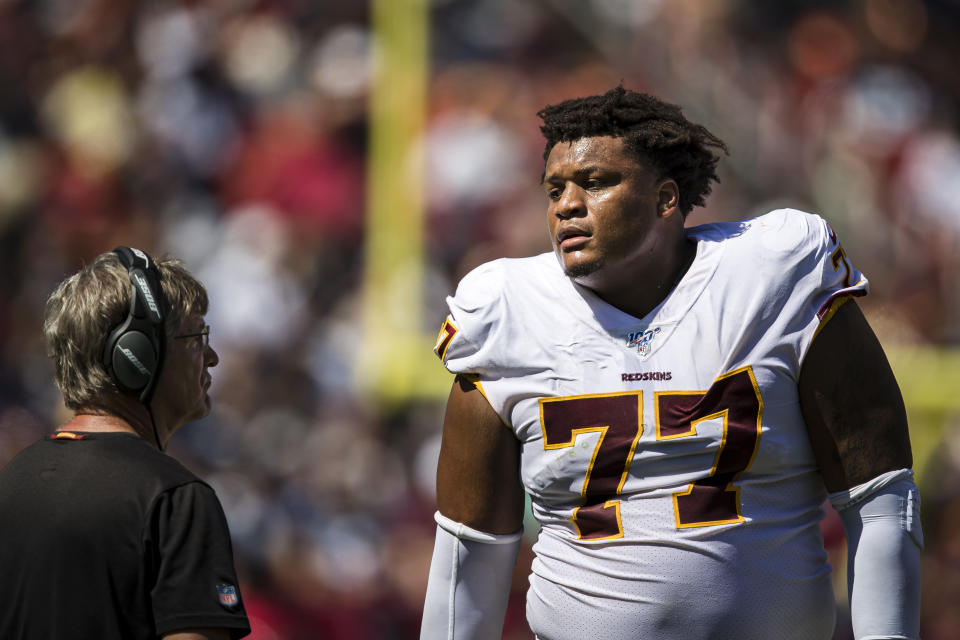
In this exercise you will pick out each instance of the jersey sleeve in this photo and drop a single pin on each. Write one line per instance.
(195, 581)
(471, 336)
(488, 335)
(814, 275)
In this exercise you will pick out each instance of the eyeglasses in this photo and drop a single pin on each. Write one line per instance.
(203, 334)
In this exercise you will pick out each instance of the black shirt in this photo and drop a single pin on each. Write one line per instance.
(102, 536)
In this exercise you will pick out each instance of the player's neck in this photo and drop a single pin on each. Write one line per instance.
(642, 293)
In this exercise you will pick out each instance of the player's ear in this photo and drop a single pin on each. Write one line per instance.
(668, 198)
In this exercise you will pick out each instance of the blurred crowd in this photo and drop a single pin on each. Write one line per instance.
(233, 134)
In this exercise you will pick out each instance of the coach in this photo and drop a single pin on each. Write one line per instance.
(103, 535)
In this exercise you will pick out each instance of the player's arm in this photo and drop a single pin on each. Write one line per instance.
(478, 474)
(480, 514)
(851, 403)
(858, 430)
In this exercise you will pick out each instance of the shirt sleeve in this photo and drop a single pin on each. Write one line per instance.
(196, 583)
(812, 276)
(470, 338)
(490, 334)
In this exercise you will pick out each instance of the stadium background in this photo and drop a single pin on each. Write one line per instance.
(330, 169)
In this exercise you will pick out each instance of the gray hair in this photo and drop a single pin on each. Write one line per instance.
(85, 307)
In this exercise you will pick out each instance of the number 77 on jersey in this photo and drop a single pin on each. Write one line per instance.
(733, 398)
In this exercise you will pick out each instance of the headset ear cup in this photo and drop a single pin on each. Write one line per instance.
(133, 352)
(134, 361)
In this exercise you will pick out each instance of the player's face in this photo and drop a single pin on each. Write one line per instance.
(603, 211)
(182, 389)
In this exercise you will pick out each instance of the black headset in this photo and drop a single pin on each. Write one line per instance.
(133, 352)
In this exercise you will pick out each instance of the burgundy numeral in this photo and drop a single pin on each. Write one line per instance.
(734, 399)
(617, 418)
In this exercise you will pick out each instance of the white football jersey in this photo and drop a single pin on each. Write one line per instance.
(666, 456)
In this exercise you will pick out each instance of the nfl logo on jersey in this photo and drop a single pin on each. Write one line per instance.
(642, 339)
(227, 594)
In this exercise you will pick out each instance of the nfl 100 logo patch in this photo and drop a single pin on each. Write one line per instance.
(227, 595)
(642, 340)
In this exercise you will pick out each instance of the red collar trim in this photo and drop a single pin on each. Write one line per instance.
(67, 435)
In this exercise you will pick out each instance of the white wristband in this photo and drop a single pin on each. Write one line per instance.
(464, 532)
(881, 519)
(469, 583)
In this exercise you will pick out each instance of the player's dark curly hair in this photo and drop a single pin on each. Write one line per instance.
(656, 131)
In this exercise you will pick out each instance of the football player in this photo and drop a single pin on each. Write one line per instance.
(677, 402)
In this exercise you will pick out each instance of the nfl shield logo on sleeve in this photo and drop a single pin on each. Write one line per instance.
(227, 594)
